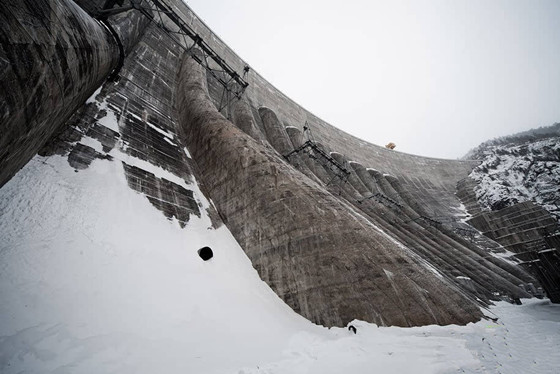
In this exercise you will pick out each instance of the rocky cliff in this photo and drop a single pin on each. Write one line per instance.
(513, 197)
(518, 168)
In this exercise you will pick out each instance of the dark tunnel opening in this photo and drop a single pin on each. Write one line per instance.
(205, 253)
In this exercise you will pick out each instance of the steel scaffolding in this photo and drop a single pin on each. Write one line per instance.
(163, 15)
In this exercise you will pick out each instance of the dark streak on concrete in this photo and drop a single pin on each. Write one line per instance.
(173, 200)
(56, 56)
(146, 130)
(82, 155)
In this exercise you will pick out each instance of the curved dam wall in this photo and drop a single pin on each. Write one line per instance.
(422, 189)
(260, 93)
(330, 258)
(369, 247)
(53, 56)
(325, 260)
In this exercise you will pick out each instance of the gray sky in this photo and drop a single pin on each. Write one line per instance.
(435, 77)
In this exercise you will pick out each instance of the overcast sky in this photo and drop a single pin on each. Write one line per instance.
(435, 77)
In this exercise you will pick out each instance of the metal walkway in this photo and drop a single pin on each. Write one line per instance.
(164, 14)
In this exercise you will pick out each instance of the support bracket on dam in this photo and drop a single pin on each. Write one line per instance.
(432, 222)
(316, 153)
(172, 24)
(468, 233)
(380, 198)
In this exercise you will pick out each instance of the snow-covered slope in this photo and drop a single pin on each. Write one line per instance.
(529, 136)
(87, 286)
(92, 275)
(514, 173)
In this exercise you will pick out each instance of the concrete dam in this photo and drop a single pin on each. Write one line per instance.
(340, 229)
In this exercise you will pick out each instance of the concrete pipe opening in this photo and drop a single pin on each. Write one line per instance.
(205, 253)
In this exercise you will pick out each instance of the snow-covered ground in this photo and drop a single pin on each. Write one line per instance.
(94, 279)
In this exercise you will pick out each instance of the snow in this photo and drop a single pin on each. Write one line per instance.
(525, 339)
(511, 174)
(158, 171)
(92, 276)
(170, 141)
(110, 120)
(187, 152)
(166, 134)
(93, 143)
(91, 99)
(506, 255)
(462, 214)
(94, 279)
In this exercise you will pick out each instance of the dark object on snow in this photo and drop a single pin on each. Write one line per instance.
(517, 301)
(205, 253)
(352, 328)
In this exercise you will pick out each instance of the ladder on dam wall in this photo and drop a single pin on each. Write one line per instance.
(391, 203)
(160, 11)
(469, 234)
(315, 152)
(383, 199)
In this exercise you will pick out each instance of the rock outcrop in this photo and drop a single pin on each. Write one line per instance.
(513, 198)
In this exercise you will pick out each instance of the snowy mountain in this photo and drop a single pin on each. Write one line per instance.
(523, 137)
